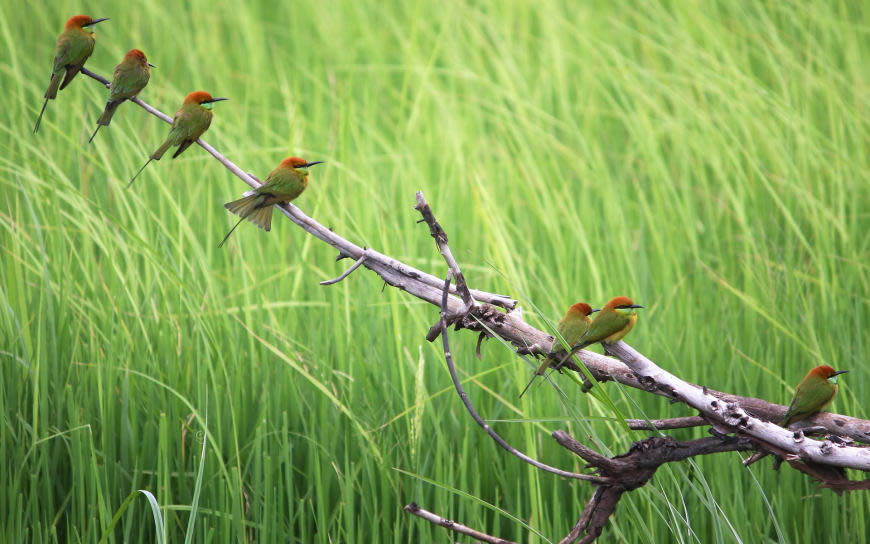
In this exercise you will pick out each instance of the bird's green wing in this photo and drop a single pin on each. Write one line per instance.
(809, 399)
(189, 124)
(603, 326)
(284, 183)
(128, 80)
(573, 328)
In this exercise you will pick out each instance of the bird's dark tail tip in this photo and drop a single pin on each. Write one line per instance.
(139, 172)
(39, 119)
(526, 388)
(95, 133)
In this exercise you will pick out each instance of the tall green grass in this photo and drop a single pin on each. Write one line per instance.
(707, 158)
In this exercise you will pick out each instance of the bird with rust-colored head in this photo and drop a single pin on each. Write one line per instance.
(130, 77)
(283, 184)
(615, 320)
(813, 394)
(571, 328)
(74, 45)
(190, 121)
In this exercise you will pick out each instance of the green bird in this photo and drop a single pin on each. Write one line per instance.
(283, 184)
(571, 327)
(74, 45)
(615, 320)
(813, 394)
(130, 77)
(190, 121)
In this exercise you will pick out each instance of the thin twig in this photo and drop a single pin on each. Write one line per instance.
(440, 237)
(347, 272)
(464, 396)
(413, 509)
(666, 424)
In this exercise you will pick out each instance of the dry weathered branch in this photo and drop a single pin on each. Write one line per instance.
(347, 272)
(631, 471)
(441, 240)
(729, 417)
(412, 508)
(666, 424)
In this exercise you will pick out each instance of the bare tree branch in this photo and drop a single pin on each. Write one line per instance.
(633, 470)
(441, 240)
(347, 272)
(730, 417)
(666, 424)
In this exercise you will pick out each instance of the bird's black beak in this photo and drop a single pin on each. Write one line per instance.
(151, 65)
(595, 310)
(837, 373)
(307, 164)
(635, 306)
(213, 100)
(95, 21)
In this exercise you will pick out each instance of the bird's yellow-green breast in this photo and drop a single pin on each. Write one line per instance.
(193, 118)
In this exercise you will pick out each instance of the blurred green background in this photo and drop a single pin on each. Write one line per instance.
(707, 158)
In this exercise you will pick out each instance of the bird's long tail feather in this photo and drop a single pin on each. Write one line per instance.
(158, 154)
(50, 94)
(253, 208)
(140, 170)
(239, 222)
(95, 133)
(106, 118)
(39, 119)
(539, 372)
(53, 85)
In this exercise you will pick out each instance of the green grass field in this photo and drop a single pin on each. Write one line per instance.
(707, 158)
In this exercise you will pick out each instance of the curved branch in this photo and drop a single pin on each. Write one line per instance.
(489, 430)
(347, 272)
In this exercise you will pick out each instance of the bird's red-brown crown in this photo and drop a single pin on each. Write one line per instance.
(293, 162)
(136, 54)
(581, 308)
(619, 301)
(823, 371)
(198, 97)
(78, 21)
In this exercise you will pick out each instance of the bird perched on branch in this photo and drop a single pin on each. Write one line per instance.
(190, 121)
(615, 320)
(130, 77)
(813, 394)
(74, 45)
(283, 184)
(571, 328)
